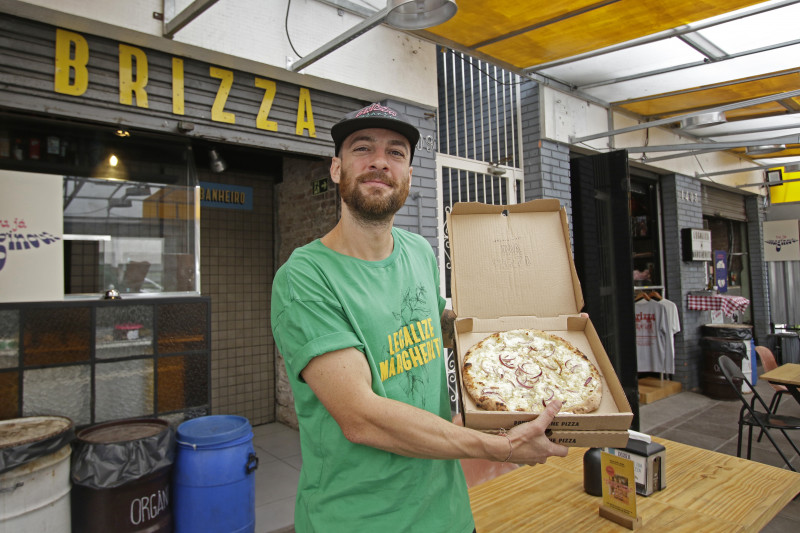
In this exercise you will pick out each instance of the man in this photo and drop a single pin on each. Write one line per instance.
(358, 318)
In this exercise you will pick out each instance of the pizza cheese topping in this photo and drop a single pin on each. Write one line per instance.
(523, 369)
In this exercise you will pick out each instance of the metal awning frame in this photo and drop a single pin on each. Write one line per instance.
(678, 118)
(175, 21)
(661, 36)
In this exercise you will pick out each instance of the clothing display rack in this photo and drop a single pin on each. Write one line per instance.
(656, 324)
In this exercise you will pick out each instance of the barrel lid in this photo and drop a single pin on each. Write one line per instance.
(19, 431)
(123, 431)
(214, 429)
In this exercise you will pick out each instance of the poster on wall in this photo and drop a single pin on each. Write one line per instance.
(781, 240)
(31, 231)
(721, 270)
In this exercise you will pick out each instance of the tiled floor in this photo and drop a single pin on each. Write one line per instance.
(278, 450)
(687, 417)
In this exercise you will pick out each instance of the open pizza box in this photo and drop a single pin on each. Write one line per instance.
(512, 268)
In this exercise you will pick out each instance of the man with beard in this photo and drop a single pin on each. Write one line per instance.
(359, 320)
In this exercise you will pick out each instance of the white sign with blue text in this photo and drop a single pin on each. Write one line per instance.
(781, 240)
(31, 237)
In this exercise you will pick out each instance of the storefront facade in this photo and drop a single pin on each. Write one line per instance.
(219, 173)
(628, 220)
(663, 204)
(81, 78)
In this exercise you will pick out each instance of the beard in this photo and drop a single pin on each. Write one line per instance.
(373, 207)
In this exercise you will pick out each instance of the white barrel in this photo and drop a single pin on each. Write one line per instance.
(34, 497)
(35, 481)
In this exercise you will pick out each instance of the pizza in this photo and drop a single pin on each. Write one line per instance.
(523, 369)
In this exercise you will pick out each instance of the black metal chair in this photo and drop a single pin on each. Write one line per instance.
(769, 363)
(751, 416)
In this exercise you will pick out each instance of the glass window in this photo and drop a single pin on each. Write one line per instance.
(646, 234)
(730, 236)
(130, 204)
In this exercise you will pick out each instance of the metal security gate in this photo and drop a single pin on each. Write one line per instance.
(463, 180)
(479, 147)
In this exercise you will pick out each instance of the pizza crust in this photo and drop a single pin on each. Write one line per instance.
(523, 369)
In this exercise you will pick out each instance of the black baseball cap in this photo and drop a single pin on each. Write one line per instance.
(374, 116)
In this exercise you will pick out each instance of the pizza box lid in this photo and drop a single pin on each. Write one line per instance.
(512, 260)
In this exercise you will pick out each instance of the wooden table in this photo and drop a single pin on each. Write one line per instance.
(788, 375)
(706, 491)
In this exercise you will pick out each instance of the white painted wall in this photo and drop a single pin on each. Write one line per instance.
(566, 116)
(251, 35)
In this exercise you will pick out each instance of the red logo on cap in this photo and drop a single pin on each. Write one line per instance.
(376, 107)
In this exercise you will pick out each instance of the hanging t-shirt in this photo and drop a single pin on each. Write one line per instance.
(652, 332)
(674, 323)
(390, 310)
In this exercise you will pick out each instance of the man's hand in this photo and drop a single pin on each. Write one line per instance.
(529, 442)
(448, 329)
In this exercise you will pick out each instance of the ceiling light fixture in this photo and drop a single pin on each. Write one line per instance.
(764, 149)
(216, 162)
(400, 14)
(419, 14)
(713, 118)
(137, 190)
(122, 133)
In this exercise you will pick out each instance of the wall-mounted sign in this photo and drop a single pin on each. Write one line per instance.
(782, 240)
(136, 66)
(31, 230)
(721, 270)
(225, 196)
(696, 244)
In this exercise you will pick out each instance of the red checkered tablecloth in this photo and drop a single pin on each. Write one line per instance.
(716, 302)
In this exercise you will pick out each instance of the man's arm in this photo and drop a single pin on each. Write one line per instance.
(342, 382)
(448, 321)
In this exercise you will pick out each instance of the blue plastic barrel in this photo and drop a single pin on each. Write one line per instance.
(214, 476)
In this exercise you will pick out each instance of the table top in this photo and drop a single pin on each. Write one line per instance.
(706, 491)
(787, 374)
(716, 302)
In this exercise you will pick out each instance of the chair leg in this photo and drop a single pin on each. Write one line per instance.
(780, 452)
(739, 441)
(749, 441)
(791, 442)
(773, 408)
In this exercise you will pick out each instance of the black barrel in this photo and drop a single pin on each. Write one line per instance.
(718, 340)
(121, 477)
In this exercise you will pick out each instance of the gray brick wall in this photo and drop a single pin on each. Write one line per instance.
(419, 214)
(682, 208)
(546, 163)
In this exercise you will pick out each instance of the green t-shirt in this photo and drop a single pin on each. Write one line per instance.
(390, 310)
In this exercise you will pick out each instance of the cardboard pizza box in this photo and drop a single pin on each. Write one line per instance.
(512, 268)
